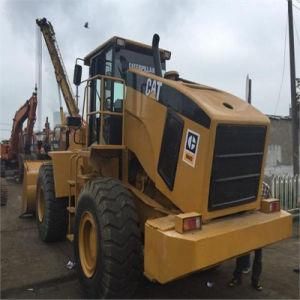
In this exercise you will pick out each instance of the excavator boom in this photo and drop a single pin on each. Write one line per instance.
(57, 61)
(30, 122)
(26, 111)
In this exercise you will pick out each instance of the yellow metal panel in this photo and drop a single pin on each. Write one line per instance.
(189, 197)
(211, 101)
(31, 172)
(163, 224)
(144, 125)
(170, 255)
(61, 161)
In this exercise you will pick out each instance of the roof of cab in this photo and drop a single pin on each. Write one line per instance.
(128, 44)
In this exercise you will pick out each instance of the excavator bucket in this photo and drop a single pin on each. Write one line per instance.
(31, 171)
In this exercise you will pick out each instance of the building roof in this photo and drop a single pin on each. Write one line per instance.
(275, 117)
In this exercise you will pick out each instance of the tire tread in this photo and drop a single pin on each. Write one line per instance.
(121, 240)
(54, 226)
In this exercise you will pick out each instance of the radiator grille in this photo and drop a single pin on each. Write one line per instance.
(237, 162)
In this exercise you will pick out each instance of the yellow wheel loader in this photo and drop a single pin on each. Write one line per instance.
(167, 181)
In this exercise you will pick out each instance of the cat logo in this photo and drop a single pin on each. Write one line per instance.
(153, 88)
(191, 147)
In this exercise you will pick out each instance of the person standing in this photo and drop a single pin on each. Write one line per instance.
(243, 262)
(256, 270)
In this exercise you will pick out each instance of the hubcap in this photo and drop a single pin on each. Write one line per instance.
(88, 244)
(41, 205)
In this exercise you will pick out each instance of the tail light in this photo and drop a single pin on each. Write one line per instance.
(270, 205)
(187, 222)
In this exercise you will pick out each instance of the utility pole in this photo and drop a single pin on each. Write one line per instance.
(248, 89)
(295, 120)
(298, 90)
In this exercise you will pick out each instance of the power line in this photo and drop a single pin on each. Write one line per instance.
(283, 70)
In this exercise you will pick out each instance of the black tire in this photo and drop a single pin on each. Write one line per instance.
(2, 168)
(20, 168)
(4, 191)
(119, 256)
(52, 222)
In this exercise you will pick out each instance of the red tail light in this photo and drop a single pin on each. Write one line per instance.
(187, 222)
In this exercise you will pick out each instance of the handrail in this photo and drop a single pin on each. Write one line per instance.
(99, 76)
(105, 112)
(102, 111)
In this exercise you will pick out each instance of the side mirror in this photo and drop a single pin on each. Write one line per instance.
(77, 74)
(73, 121)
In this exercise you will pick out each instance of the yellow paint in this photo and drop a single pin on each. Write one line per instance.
(31, 171)
(62, 161)
(144, 125)
(170, 255)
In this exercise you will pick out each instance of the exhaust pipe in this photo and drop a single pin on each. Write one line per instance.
(156, 55)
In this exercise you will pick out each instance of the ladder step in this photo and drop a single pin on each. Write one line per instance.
(70, 237)
(71, 209)
(85, 177)
(71, 182)
(108, 147)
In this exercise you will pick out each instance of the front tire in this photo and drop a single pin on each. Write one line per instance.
(51, 213)
(107, 240)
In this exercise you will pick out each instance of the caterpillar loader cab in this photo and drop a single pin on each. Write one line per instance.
(108, 60)
(168, 182)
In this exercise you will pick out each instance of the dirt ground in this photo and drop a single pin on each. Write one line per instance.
(33, 269)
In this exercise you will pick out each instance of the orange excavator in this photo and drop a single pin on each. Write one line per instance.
(13, 151)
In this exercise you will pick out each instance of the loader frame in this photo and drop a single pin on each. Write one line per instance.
(127, 142)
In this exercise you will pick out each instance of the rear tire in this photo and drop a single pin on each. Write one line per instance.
(4, 191)
(20, 168)
(51, 213)
(2, 168)
(107, 240)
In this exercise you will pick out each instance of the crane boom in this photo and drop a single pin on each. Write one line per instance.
(58, 64)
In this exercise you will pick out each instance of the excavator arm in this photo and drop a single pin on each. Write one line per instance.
(57, 61)
(26, 111)
(30, 123)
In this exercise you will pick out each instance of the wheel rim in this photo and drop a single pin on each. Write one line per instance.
(88, 244)
(41, 205)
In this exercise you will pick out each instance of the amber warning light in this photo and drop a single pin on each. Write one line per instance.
(188, 222)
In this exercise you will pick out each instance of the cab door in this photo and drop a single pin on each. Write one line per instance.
(106, 101)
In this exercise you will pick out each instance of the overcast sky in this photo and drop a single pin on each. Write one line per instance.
(213, 42)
